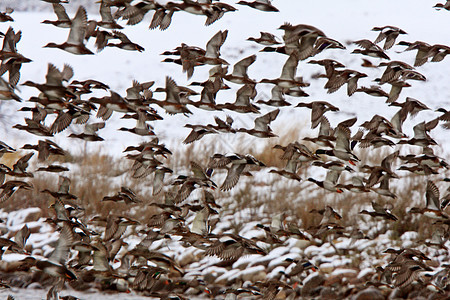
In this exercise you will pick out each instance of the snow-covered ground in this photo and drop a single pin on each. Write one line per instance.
(341, 20)
(344, 20)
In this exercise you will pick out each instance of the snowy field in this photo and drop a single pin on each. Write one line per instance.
(343, 20)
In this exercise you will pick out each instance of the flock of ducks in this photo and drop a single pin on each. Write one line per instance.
(85, 258)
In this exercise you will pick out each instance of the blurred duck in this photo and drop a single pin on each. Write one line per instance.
(433, 204)
(379, 212)
(389, 34)
(370, 49)
(5, 16)
(445, 5)
(330, 182)
(266, 38)
(263, 5)
(277, 98)
(237, 162)
(318, 108)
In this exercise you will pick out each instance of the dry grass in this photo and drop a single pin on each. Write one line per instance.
(96, 175)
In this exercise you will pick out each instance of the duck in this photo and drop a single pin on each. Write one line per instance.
(324, 42)
(371, 140)
(433, 204)
(445, 5)
(326, 136)
(339, 78)
(116, 226)
(5, 16)
(330, 182)
(290, 170)
(277, 99)
(409, 271)
(332, 165)
(107, 21)
(412, 75)
(262, 129)
(212, 52)
(158, 179)
(394, 70)
(135, 13)
(300, 266)
(330, 65)
(188, 184)
(373, 90)
(212, 11)
(266, 38)
(427, 158)
(172, 104)
(379, 212)
(342, 148)
(422, 51)
(438, 52)
(125, 42)
(242, 103)
(144, 164)
(239, 74)
(197, 132)
(4, 148)
(383, 189)
(217, 11)
(163, 16)
(396, 88)
(90, 84)
(53, 88)
(389, 34)
(109, 104)
(11, 60)
(90, 132)
(232, 247)
(55, 265)
(287, 78)
(63, 20)
(53, 169)
(34, 127)
(208, 96)
(238, 164)
(19, 168)
(224, 126)
(368, 64)
(421, 137)
(318, 108)
(142, 128)
(7, 91)
(357, 185)
(12, 186)
(262, 5)
(301, 38)
(370, 49)
(75, 41)
(298, 151)
(45, 148)
(385, 169)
